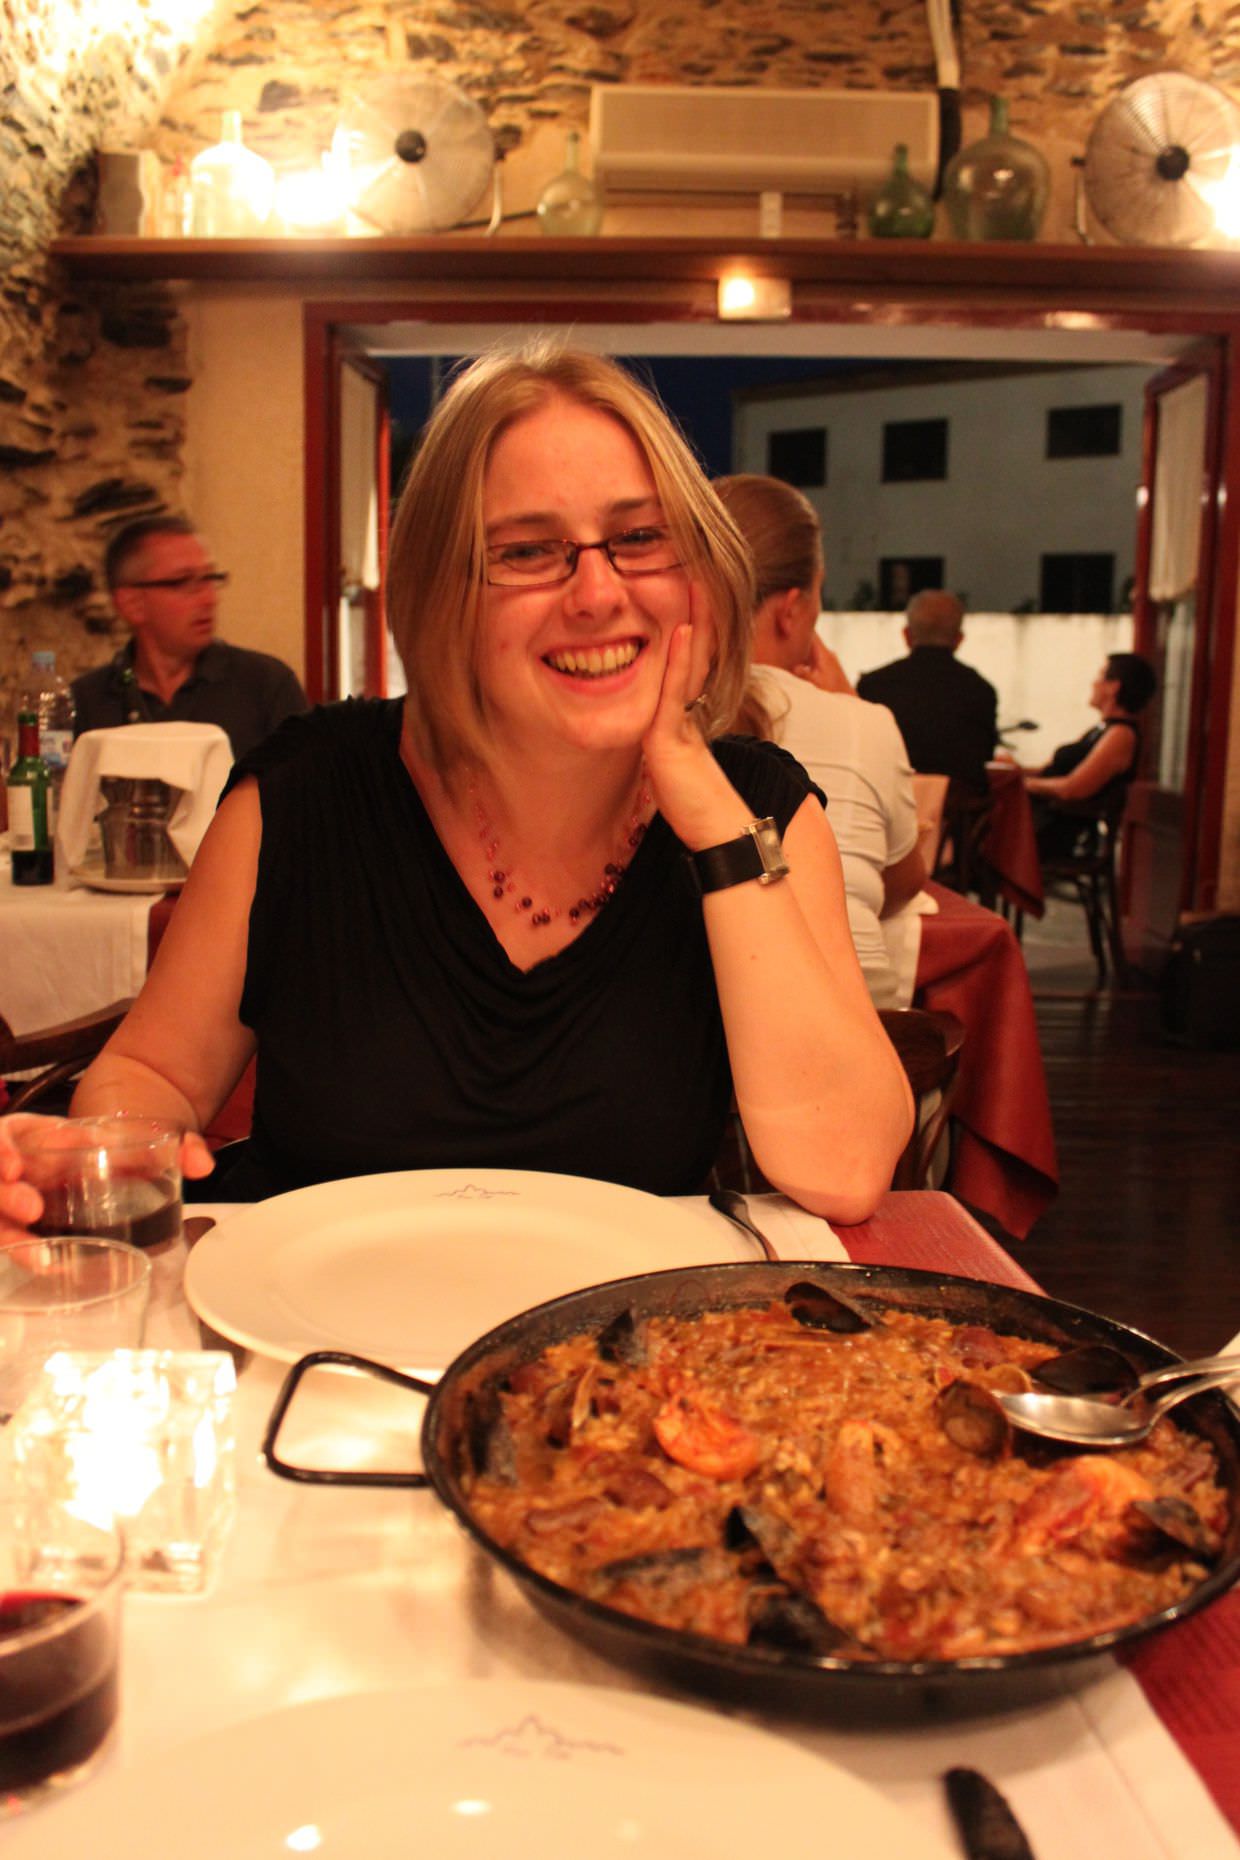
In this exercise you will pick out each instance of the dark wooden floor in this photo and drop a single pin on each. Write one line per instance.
(1147, 1224)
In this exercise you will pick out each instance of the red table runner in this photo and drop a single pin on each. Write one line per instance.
(971, 965)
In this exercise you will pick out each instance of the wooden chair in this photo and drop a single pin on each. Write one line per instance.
(1092, 873)
(928, 1043)
(56, 1055)
(962, 864)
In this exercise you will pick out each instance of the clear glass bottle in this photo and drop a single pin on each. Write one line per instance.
(31, 806)
(231, 188)
(571, 206)
(997, 187)
(901, 209)
(51, 701)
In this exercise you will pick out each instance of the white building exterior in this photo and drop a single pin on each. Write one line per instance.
(1003, 504)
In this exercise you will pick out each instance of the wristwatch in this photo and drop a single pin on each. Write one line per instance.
(757, 853)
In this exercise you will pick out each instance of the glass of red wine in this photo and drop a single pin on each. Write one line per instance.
(66, 1294)
(60, 1593)
(114, 1178)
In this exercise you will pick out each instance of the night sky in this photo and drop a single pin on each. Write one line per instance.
(698, 390)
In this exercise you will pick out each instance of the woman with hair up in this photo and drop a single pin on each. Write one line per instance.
(537, 914)
(1086, 778)
(852, 749)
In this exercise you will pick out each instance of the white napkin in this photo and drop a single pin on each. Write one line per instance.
(791, 1231)
(192, 757)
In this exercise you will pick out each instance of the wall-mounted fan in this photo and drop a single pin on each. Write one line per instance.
(1158, 157)
(420, 153)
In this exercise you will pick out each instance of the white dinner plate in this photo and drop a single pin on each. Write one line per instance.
(410, 1267)
(509, 1770)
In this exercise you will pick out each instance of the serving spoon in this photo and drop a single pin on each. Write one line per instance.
(1089, 1421)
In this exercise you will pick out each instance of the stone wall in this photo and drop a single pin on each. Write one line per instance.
(93, 384)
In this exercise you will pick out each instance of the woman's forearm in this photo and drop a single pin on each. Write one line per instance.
(821, 1092)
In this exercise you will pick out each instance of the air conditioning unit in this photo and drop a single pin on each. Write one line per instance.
(690, 139)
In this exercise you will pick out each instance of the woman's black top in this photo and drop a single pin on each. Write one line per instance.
(395, 1033)
(1060, 824)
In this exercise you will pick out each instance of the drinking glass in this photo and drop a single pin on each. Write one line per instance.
(60, 1590)
(117, 1178)
(66, 1294)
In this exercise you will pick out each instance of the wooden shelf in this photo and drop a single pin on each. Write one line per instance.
(1184, 286)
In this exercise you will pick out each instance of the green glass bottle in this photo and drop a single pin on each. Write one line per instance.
(32, 807)
(997, 187)
(901, 209)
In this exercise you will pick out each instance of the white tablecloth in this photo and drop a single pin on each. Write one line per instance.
(65, 951)
(324, 1591)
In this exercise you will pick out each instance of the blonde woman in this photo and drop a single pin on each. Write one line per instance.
(534, 915)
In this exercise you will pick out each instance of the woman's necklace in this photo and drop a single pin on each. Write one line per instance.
(505, 885)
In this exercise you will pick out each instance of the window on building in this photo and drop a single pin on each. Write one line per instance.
(798, 456)
(1078, 584)
(900, 577)
(1083, 432)
(914, 450)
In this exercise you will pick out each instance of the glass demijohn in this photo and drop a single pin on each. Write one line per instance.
(997, 187)
(571, 206)
(901, 209)
(231, 188)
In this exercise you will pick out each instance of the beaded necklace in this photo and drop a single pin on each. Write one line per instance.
(504, 884)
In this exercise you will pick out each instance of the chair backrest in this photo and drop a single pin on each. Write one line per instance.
(928, 1043)
(966, 818)
(55, 1055)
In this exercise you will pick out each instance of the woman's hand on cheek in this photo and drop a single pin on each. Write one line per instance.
(690, 789)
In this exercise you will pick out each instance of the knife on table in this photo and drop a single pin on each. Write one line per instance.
(987, 1827)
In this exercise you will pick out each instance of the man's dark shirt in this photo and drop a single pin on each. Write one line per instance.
(946, 711)
(246, 693)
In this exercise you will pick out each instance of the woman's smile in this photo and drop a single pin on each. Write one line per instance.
(595, 661)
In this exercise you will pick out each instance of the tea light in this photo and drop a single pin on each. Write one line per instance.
(143, 1437)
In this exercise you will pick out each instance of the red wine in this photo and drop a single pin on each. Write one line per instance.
(58, 1696)
(142, 1213)
(34, 868)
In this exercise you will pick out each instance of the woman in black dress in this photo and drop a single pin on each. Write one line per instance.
(537, 914)
(1087, 779)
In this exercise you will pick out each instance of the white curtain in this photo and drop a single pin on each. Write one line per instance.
(1178, 466)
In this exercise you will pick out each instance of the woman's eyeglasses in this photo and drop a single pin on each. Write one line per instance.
(185, 584)
(540, 564)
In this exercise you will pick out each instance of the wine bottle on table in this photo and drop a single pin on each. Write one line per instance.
(32, 807)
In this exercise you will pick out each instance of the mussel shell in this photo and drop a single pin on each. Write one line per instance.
(972, 1419)
(622, 1341)
(1159, 1526)
(1089, 1369)
(818, 1309)
(786, 1619)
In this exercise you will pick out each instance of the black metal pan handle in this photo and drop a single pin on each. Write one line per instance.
(310, 1475)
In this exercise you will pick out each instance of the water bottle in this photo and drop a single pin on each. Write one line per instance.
(32, 807)
(50, 698)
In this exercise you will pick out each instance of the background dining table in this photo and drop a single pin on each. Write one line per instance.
(323, 1592)
(1003, 1156)
(1009, 844)
(67, 949)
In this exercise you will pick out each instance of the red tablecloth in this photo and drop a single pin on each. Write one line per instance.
(1190, 1676)
(1004, 1158)
(1010, 845)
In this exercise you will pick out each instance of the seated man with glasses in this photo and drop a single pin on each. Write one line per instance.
(165, 587)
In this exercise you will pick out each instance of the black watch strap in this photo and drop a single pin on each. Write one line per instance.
(756, 853)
